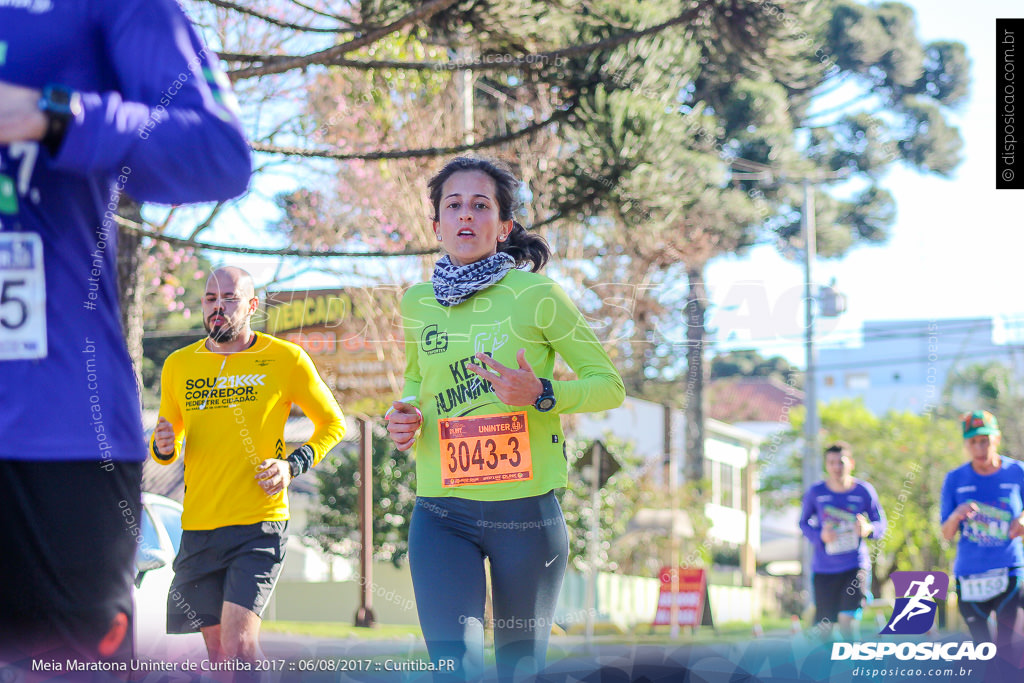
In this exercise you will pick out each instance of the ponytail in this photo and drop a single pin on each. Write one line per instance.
(525, 247)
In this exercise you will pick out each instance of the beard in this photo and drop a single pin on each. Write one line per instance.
(225, 332)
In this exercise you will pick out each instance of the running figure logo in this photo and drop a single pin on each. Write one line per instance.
(914, 613)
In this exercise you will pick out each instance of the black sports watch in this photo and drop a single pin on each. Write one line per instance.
(546, 400)
(60, 104)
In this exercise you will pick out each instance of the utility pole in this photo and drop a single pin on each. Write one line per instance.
(597, 455)
(673, 492)
(811, 461)
(364, 615)
(812, 467)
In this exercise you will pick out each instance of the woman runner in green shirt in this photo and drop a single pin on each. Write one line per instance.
(483, 419)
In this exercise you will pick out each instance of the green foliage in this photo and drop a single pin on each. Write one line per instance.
(994, 387)
(619, 501)
(750, 363)
(947, 73)
(622, 549)
(336, 526)
(906, 458)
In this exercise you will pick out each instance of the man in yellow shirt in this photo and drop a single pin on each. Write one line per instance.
(223, 406)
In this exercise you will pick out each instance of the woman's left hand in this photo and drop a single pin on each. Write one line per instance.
(513, 386)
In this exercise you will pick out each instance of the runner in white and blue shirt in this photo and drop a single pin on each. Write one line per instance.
(981, 500)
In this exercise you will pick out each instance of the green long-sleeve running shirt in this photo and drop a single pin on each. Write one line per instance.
(472, 445)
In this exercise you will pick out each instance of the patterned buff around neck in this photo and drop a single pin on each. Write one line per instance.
(454, 284)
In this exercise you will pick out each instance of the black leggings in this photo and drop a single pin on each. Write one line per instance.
(527, 544)
(69, 535)
(1005, 605)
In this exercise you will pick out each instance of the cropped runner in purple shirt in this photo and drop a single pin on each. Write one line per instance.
(98, 98)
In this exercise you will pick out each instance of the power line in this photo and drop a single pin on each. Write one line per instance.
(908, 330)
(925, 358)
(309, 253)
(377, 155)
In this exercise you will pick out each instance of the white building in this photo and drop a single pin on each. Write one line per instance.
(657, 435)
(904, 365)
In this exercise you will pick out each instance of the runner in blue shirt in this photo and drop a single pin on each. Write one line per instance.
(97, 98)
(981, 500)
(838, 514)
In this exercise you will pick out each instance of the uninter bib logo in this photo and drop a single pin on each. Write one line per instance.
(914, 614)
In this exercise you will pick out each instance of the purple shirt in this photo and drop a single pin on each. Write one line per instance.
(823, 505)
(159, 123)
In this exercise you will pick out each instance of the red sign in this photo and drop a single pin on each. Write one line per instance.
(689, 598)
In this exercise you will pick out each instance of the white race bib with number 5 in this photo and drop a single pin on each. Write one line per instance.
(22, 297)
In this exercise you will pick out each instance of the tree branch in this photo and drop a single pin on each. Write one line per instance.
(839, 108)
(423, 12)
(207, 222)
(276, 22)
(328, 15)
(306, 253)
(415, 153)
(334, 56)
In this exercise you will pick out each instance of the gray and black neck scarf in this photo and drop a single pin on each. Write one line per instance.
(454, 284)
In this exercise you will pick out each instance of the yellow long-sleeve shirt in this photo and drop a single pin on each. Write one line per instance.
(228, 414)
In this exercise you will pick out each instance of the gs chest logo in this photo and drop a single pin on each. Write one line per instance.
(433, 340)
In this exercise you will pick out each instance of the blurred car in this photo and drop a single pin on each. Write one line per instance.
(161, 535)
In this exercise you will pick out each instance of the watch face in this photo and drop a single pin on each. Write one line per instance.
(545, 404)
(59, 98)
(61, 101)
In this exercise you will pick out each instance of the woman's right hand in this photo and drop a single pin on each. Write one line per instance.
(404, 420)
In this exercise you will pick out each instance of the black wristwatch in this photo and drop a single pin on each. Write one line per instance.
(546, 400)
(61, 105)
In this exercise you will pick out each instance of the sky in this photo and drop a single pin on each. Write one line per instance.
(956, 249)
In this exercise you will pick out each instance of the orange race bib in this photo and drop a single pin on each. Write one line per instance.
(484, 449)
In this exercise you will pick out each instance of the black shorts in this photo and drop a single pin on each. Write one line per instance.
(840, 592)
(1005, 606)
(236, 564)
(68, 535)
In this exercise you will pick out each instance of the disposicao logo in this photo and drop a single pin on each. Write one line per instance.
(914, 614)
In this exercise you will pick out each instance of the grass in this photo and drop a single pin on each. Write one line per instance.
(641, 633)
(342, 631)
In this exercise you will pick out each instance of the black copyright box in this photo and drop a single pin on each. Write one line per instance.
(1009, 121)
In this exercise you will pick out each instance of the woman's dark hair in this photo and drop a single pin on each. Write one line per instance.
(523, 246)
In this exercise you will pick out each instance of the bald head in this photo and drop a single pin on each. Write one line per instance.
(231, 279)
(228, 305)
